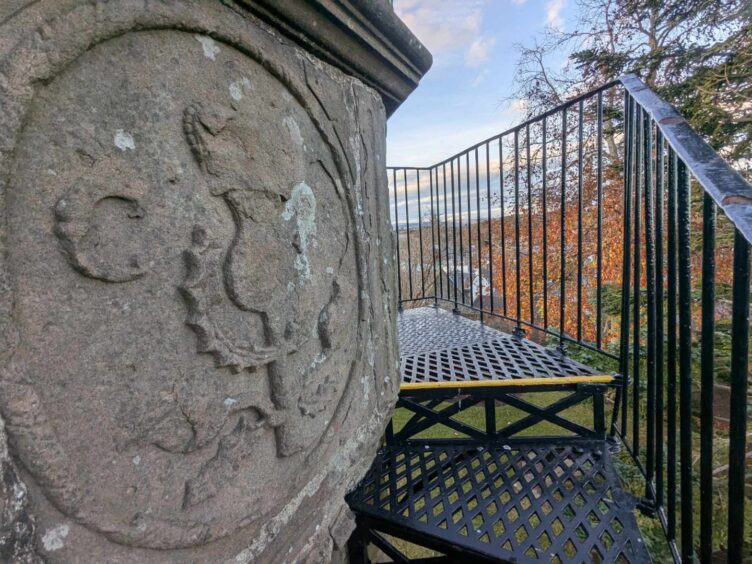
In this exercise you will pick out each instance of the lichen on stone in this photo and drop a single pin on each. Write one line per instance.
(16, 525)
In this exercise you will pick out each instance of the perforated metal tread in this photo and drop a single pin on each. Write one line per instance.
(440, 346)
(525, 503)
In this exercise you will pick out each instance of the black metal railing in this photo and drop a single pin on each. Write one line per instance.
(607, 225)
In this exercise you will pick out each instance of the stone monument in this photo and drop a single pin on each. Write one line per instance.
(197, 296)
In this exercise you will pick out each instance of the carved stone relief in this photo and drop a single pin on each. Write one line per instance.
(191, 265)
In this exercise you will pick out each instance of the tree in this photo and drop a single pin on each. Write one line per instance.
(695, 53)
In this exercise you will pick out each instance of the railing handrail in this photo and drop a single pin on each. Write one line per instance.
(730, 191)
(518, 127)
(725, 185)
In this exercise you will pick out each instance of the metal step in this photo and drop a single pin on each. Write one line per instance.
(542, 502)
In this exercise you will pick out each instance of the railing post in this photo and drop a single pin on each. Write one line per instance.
(563, 237)
(671, 345)
(544, 175)
(469, 228)
(503, 230)
(738, 415)
(454, 235)
(636, 353)
(580, 188)
(706, 381)
(490, 235)
(446, 231)
(529, 182)
(518, 332)
(651, 305)
(407, 231)
(477, 234)
(420, 239)
(438, 284)
(685, 362)
(599, 235)
(659, 319)
(626, 259)
(397, 229)
(459, 206)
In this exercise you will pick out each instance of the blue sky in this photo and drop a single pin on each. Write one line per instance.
(460, 100)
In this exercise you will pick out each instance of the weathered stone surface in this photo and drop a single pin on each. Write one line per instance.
(196, 285)
(365, 38)
(17, 542)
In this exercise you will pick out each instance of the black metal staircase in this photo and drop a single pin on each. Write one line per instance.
(585, 258)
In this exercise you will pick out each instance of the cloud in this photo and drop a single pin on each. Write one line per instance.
(431, 142)
(448, 27)
(481, 78)
(479, 51)
(519, 2)
(553, 13)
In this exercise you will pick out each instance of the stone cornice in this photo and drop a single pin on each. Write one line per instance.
(364, 38)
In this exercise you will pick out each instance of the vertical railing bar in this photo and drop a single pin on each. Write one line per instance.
(490, 234)
(706, 378)
(738, 412)
(599, 236)
(407, 225)
(545, 229)
(685, 361)
(518, 293)
(639, 140)
(626, 257)
(671, 324)
(529, 223)
(470, 227)
(563, 236)
(659, 320)
(397, 230)
(650, 281)
(503, 231)
(420, 239)
(459, 226)
(477, 229)
(454, 234)
(446, 233)
(580, 157)
(434, 219)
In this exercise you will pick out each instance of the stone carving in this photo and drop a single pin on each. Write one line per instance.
(81, 237)
(198, 318)
(211, 338)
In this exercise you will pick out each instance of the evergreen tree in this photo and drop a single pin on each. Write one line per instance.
(695, 53)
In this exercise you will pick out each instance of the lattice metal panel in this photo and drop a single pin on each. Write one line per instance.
(427, 329)
(438, 346)
(538, 503)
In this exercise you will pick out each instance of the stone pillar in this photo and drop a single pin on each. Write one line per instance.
(197, 295)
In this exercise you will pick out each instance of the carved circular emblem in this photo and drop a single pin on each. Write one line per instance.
(185, 288)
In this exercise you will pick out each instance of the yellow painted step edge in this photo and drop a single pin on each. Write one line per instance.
(595, 379)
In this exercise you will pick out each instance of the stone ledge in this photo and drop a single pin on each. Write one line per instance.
(364, 38)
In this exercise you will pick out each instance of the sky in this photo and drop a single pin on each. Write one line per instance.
(461, 99)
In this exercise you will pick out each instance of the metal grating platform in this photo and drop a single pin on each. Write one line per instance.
(533, 503)
(439, 346)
